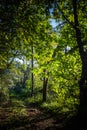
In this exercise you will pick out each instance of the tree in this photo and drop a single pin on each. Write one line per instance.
(19, 22)
(72, 14)
(45, 54)
(32, 67)
(83, 55)
(34, 35)
(8, 44)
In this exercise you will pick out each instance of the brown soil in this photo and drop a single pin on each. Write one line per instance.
(35, 119)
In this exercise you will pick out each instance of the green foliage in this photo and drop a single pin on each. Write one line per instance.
(17, 103)
(29, 27)
(4, 95)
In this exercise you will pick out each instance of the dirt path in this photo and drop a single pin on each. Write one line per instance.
(43, 121)
(32, 118)
(35, 119)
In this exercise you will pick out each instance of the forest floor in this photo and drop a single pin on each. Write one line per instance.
(32, 118)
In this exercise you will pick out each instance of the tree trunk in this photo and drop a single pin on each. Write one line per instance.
(32, 75)
(82, 112)
(24, 80)
(45, 83)
(83, 86)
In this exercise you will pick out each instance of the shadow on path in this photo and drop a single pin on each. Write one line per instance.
(34, 119)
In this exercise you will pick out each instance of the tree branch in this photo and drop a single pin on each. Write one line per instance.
(71, 23)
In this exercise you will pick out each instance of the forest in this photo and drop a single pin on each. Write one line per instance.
(43, 65)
